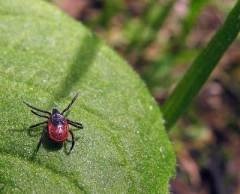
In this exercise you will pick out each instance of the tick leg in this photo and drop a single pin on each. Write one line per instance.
(35, 125)
(44, 116)
(70, 104)
(38, 145)
(38, 124)
(37, 109)
(75, 124)
(73, 142)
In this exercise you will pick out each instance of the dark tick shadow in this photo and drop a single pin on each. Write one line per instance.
(80, 65)
(50, 145)
(47, 144)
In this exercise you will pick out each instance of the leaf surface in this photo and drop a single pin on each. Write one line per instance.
(46, 57)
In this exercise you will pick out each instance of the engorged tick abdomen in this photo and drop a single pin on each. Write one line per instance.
(59, 132)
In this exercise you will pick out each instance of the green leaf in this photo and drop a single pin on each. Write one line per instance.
(201, 68)
(46, 58)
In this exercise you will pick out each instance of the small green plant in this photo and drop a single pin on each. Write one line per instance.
(201, 68)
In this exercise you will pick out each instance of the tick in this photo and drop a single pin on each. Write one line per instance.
(57, 124)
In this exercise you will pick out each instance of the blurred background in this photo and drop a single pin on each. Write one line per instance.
(160, 39)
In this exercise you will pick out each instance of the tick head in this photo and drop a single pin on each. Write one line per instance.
(56, 117)
(55, 111)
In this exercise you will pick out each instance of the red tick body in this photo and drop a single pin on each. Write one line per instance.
(58, 127)
(58, 133)
(57, 124)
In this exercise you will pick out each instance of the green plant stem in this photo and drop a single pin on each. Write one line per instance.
(110, 9)
(201, 68)
(195, 9)
(159, 69)
(152, 21)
